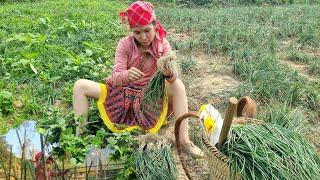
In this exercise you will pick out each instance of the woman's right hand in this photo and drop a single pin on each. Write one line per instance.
(135, 74)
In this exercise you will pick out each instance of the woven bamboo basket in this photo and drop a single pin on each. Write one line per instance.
(218, 162)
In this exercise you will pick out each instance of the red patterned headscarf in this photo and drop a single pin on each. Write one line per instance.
(141, 13)
(37, 157)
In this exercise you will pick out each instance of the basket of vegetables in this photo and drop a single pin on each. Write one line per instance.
(248, 148)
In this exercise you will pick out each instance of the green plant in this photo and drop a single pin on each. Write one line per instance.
(6, 100)
(315, 67)
(155, 90)
(283, 115)
(300, 57)
(192, 3)
(309, 36)
(155, 161)
(44, 50)
(187, 64)
(124, 146)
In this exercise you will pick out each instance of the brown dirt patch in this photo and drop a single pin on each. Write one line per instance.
(180, 37)
(286, 43)
(212, 76)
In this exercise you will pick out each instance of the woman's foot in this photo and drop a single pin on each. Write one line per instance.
(192, 149)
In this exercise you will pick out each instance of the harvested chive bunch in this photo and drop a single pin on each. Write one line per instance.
(270, 151)
(155, 161)
(168, 63)
(156, 88)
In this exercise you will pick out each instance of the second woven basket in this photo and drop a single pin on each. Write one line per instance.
(218, 162)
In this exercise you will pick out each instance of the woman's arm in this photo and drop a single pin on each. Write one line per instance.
(169, 75)
(120, 74)
(166, 47)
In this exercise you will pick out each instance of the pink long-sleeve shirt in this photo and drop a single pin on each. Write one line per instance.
(128, 55)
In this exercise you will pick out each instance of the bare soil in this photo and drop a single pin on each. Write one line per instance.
(212, 76)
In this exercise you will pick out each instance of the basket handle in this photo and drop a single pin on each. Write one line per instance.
(227, 121)
(246, 107)
(179, 147)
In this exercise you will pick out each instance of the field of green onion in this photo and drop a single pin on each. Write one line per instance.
(258, 40)
(45, 46)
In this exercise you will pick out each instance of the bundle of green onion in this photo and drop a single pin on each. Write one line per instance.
(155, 161)
(156, 88)
(269, 151)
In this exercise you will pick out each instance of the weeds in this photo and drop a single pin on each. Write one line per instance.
(187, 64)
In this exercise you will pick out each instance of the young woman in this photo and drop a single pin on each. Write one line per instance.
(120, 98)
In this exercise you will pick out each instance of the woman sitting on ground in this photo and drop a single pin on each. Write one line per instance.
(119, 99)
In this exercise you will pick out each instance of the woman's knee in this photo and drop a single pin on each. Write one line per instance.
(80, 86)
(87, 88)
(176, 87)
(180, 86)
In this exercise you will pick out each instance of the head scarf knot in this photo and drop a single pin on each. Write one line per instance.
(141, 13)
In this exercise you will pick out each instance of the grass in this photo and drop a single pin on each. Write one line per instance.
(187, 64)
(312, 61)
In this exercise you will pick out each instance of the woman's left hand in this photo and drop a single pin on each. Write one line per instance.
(167, 72)
(166, 64)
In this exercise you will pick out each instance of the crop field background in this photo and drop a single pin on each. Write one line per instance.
(269, 50)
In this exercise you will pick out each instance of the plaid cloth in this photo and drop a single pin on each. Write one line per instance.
(124, 106)
(141, 13)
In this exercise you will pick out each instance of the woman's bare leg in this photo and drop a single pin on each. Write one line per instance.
(180, 106)
(83, 89)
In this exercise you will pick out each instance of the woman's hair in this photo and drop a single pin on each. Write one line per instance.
(154, 23)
